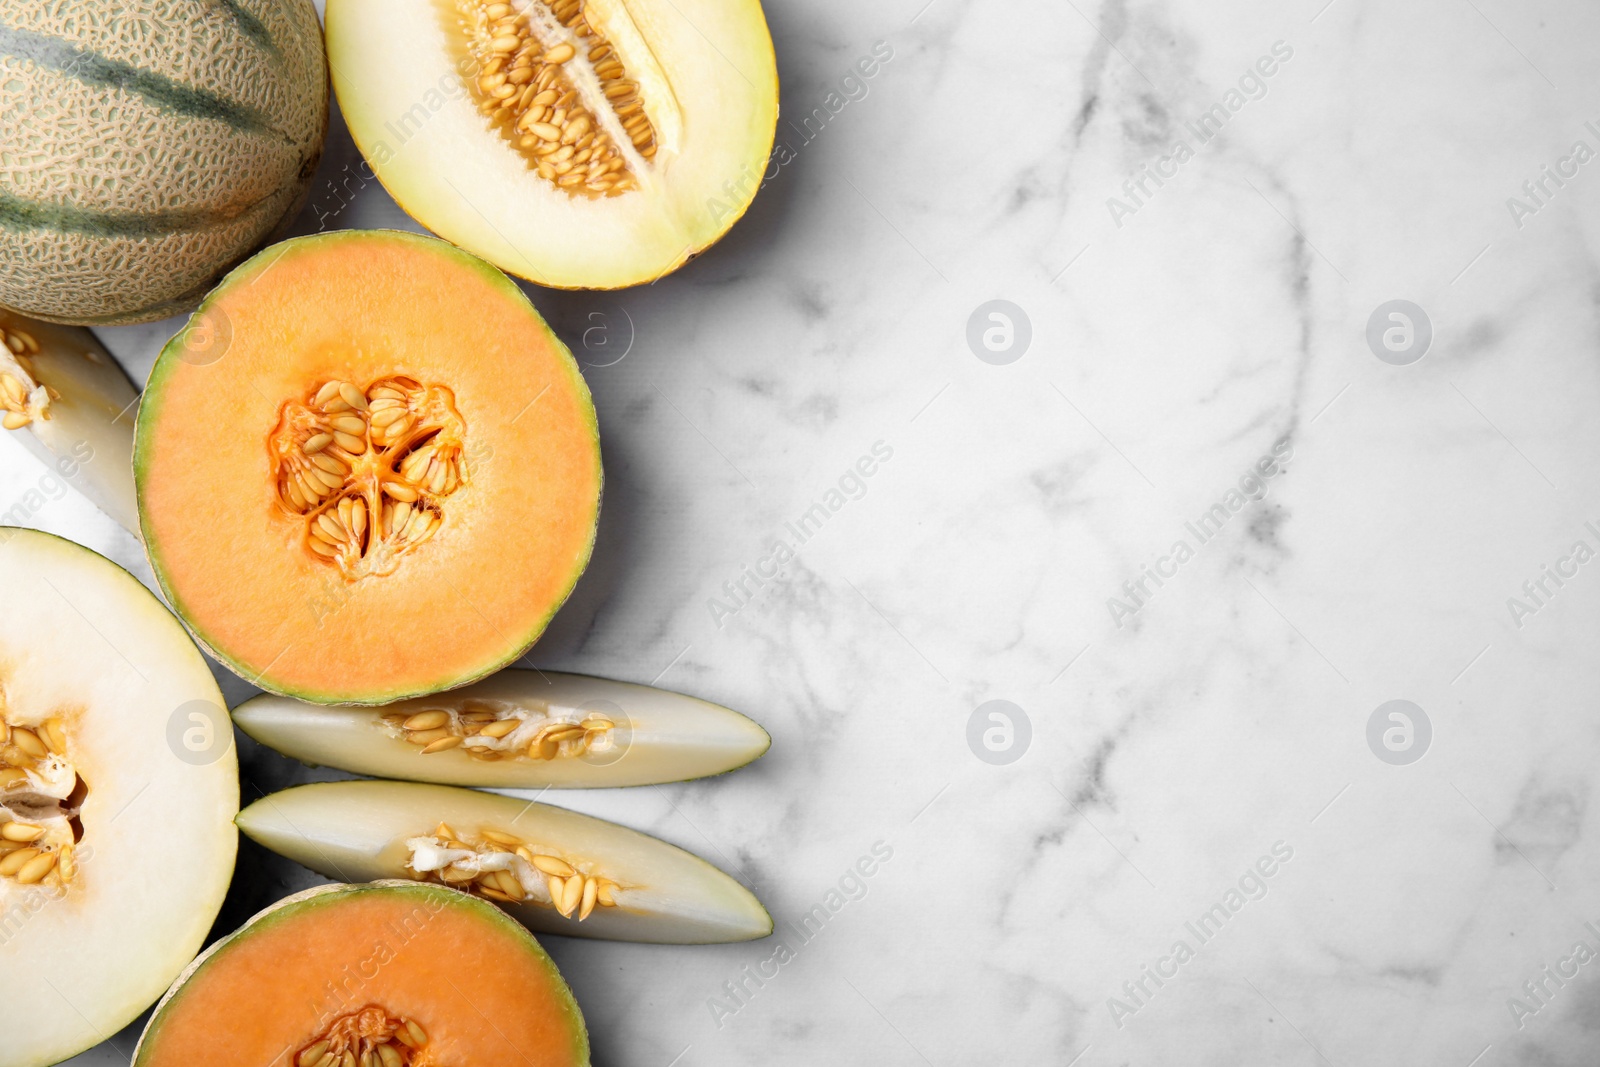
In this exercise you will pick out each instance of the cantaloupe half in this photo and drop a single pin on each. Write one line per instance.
(118, 787)
(72, 407)
(515, 729)
(383, 484)
(557, 871)
(386, 975)
(575, 143)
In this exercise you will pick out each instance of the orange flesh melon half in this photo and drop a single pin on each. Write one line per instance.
(366, 469)
(351, 966)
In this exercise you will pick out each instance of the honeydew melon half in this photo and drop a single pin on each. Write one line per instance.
(576, 143)
(397, 974)
(366, 470)
(118, 787)
(70, 404)
(613, 883)
(516, 729)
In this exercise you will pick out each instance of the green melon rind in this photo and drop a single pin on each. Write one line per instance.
(72, 548)
(176, 99)
(165, 309)
(170, 357)
(89, 67)
(323, 895)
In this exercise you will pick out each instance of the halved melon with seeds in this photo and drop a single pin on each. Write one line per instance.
(575, 143)
(517, 729)
(555, 870)
(387, 975)
(72, 407)
(382, 485)
(118, 787)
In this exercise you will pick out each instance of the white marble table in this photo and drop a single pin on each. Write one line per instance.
(1182, 738)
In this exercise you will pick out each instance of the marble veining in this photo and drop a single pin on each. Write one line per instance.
(1104, 897)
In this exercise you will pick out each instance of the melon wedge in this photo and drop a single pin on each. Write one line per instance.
(383, 484)
(393, 974)
(118, 787)
(517, 729)
(615, 883)
(71, 405)
(576, 143)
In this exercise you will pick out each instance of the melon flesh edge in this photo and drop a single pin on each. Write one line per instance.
(360, 830)
(416, 121)
(661, 736)
(84, 434)
(316, 913)
(83, 639)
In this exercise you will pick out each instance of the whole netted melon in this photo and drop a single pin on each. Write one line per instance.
(147, 146)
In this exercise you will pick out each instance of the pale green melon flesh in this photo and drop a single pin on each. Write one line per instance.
(359, 831)
(660, 736)
(406, 85)
(83, 640)
(82, 408)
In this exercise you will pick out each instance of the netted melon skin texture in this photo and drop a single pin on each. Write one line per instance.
(150, 146)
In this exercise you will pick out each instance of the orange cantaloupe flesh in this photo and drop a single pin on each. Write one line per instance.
(453, 964)
(359, 306)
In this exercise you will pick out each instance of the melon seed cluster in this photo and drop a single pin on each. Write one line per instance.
(367, 470)
(570, 889)
(557, 90)
(14, 392)
(500, 734)
(370, 1037)
(25, 856)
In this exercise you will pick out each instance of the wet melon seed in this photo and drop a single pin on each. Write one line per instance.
(549, 81)
(39, 845)
(365, 1038)
(573, 893)
(15, 394)
(365, 472)
(439, 730)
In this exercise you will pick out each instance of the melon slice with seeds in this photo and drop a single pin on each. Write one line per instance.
(71, 406)
(517, 729)
(557, 871)
(118, 786)
(576, 143)
(385, 975)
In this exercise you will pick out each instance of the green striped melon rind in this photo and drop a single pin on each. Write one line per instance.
(150, 148)
(150, 409)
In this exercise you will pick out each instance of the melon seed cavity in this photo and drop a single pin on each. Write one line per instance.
(40, 793)
(370, 1037)
(560, 92)
(365, 472)
(21, 398)
(504, 868)
(487, 732)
